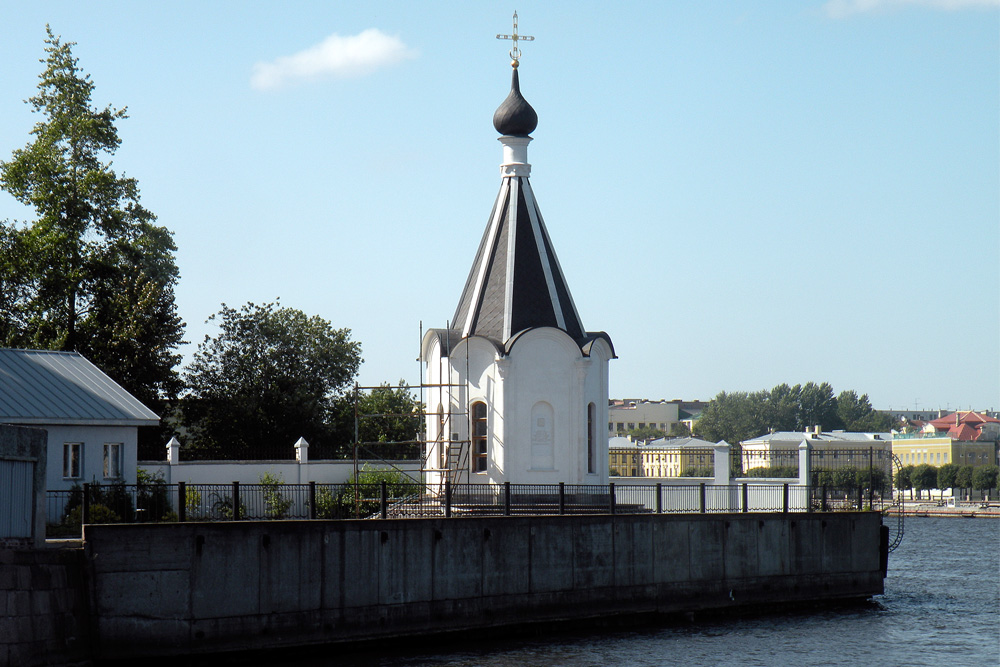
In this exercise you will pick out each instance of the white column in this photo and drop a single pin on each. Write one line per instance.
(722, 463)
(302, 456)
(805, 462)
(173, 458)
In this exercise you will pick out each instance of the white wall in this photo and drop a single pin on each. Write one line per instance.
(93, 439)
(249, 472)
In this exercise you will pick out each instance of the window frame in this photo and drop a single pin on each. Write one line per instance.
(591, 439)
(70, 461)
(479, 436)
(116, 459)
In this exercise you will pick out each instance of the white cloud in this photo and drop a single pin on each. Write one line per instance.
(334, 57)
(839, 9)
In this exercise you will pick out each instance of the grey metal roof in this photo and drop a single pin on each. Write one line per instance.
(826, 436)
(45, 387)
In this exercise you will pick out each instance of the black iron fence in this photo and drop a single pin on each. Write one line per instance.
(66, 511)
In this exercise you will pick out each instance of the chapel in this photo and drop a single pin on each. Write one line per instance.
(516, 387)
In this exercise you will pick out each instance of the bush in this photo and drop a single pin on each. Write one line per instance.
(276, 505)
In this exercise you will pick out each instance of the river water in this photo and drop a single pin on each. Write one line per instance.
(941, 608)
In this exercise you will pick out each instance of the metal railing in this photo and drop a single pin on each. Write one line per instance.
(66, 511)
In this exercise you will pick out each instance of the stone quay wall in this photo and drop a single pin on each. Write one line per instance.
(44, 617)
(199, 588)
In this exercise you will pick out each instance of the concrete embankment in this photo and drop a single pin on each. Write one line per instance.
(174, 589)
(44, 615)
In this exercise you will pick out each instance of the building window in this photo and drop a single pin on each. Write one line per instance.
(479, 437)
(112, 460)
(591, 440)
(72, 453)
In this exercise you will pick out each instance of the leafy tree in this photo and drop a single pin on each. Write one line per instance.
(985, 477)
(386, 414)
(963, 477)
(646, 433)
(904, 478)
(92, 272)
(679, 430)
(733, 417)
(271, 376)
(818, 406)
(924, 476)
(946, 476)
(856, 414)
(738, 416)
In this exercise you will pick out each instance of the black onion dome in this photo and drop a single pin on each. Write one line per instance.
(515, 117)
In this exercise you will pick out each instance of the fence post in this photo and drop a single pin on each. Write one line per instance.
(312, 500)
(236, 501)
(823, 500)
(506, 498)
(861, 497)
(85, 512)
(701, 498)
(383, 500)
(611, 497)
(447, 498)
(659, 498)
(784, 498)
(746, 497)
(182, 501)
(562, 497)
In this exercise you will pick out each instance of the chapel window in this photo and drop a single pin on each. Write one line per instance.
(591, 440)
(479, 436)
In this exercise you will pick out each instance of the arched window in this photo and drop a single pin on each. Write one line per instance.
(591, 439)
(479, 437)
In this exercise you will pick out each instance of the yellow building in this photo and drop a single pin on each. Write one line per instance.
(911, 449)
(623, 458)
(667, 457)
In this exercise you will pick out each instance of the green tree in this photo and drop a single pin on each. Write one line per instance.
(92, 272)
(646, 433)
(271, 376)
(963, 477)
(679, 430)
(904, 478)
(946, 476)
(984, 478)
(856, 414)
(818, 407)
(390, 422)
(733, 417)
(924, 476)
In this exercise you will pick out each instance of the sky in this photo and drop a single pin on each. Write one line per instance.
(740, 193)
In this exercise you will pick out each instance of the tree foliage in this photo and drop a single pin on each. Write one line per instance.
(390, 422)
(738, 416)
(271, 376)
(985, 477)
(646, 433)
(92, 272)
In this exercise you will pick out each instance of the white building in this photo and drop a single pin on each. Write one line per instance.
(518, 389)
(781, 448)
(91, 421)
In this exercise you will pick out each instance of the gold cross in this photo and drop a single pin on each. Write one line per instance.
(515, 53)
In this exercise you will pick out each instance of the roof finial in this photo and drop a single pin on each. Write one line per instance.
(515, 53)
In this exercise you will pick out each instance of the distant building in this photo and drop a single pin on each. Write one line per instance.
(91, 421)
(665, 457)
(781, 448)
(623, 457)
(627, 414)
(962, 438)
